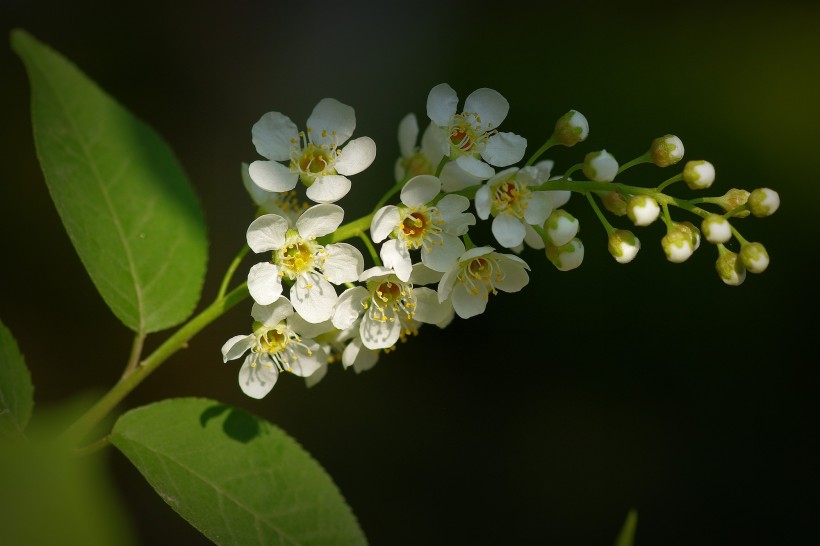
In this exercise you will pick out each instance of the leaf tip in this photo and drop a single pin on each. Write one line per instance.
(19, 38)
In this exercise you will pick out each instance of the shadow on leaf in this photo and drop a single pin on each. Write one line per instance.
(238, 425)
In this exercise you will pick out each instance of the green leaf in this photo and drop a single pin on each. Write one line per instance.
(235, 477)
(16, 391)
(50, 496)
(123, 198)
(627, 535)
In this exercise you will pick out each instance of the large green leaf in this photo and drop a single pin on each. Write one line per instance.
(121, 194)
(235, 477)
(16, 391)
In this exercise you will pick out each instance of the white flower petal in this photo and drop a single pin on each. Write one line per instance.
(349, 307)
(315, 377)
(539, 208)
(483, 204)
(420, 190)
(356, 156)
(408, 133)
(490, 106)
(441, 104)
(559, 198)
(343, 263)
(257, 381)
(236, 347)
(445, 285)
(313, 297)
(508, 230)
(264, 283)
(272, 176)
(428, 309)
(468, 304)
(443, 257)
(434, 144)
(544, 168)
(475, 253)
(515, 275)
(396, 256)
(331, 123)
(267, 233)
(475, 167)
(504, 149)
(258, 195)
(328, 189)
(273, 314)
(309, 329)
(532, 238)
(422, 275)
(310, 358)
(319, 220)
(359, 356)
(454, 178)
(375, 271)
(380, 334)
(451, 206)
(384, 222)
(273, 136)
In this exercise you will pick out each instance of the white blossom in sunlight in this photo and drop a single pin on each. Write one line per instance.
(312, 268)
(418, 224)
(471, 137)
(314, 156)
(480, 272)
(285, 204)
(385, 307)
(275, 346)
(508, 198)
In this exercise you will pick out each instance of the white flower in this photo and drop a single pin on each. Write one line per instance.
(508, 197)
(297, 257)
(435, 229)
(315, 156)
(284, 204)
(385, 308)
(480, 272)
(473, 133)
(275, 346)
(416, 160)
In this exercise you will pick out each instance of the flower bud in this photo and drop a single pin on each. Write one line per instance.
(623, 245)
(679, 243)
(561, 227)
(693, 232)
(571, 128)
(763, 202)
(666, 150)
(614, 202)
(698, 175)
(730, 270)
(568, 256)
(733, 199)
(642, 210)
(600, 166)
(754, 257)
(716, 229)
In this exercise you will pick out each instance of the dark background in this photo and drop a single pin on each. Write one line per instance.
(545, 420)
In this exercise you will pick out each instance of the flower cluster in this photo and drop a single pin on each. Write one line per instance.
(316, 303)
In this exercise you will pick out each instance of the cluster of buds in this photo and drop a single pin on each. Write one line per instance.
(316, 302)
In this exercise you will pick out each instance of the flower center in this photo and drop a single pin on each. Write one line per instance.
(280, 343)
(480, 275)
(273, 341)
(511, 197)
(297, 256)
(419, 225)
(390, 294)
(310, 160)
(466, 135)
(416, 164)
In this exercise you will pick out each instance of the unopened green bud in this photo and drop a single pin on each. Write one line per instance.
(561, 227)
(698, 175)
(623, 245)
(694, 232)
(600, 166)
(716, 229)
(614, 202)
(733, 199)
(568, 256)
(729, 268)
(571, 128)
(666, 150)
(763, 202)
(754, 257)
(679, 243)
(642, 210)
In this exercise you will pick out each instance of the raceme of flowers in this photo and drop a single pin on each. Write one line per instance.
(316, 302)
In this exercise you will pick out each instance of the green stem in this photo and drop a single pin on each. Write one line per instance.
(441, 165)
(607, 226)
(136, 352)
(546, 146)
(231, 270)
(349, 230)
(645, 158)
(373, 254)
(82, 426)
(666, 183)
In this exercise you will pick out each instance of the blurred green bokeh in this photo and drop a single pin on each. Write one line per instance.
(591, 392)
